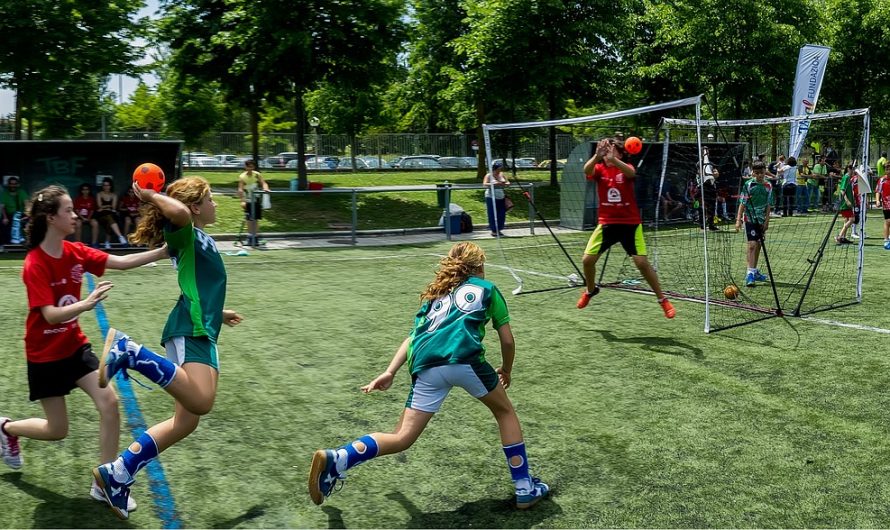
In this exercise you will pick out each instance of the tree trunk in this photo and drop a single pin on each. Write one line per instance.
(302, 178)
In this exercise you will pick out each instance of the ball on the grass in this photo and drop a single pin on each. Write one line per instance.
(149, 176)
(731, 292)
(633, 145)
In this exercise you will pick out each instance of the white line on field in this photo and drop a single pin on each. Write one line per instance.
(846, 325)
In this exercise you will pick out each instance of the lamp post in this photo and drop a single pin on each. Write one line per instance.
(313, 122)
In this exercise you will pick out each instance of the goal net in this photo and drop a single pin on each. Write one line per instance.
(688, 188)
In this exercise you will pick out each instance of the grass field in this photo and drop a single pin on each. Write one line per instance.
(634, 420)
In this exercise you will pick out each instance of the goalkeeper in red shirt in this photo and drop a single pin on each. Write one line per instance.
(619, 220)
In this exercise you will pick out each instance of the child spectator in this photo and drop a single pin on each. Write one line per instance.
(755, 203)
(85, 208)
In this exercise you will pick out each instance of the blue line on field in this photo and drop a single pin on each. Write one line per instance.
(165, 506)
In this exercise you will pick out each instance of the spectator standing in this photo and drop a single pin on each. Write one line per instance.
(250, 182)
(13, 201)
(496, 203)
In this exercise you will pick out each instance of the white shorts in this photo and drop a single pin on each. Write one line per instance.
(431, 386)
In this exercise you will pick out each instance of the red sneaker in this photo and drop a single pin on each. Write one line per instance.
(585, 297)
(668, 308)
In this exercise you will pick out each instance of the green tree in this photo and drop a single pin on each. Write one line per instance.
(142, 112)
(301, 45)
(53, 49)
(744, 64)
(857, 76)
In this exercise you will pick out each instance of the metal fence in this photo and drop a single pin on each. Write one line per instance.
(348, 206)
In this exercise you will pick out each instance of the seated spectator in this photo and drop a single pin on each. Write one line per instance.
(85, 208)
(13, 201)
(106, 212)
(670, 202)
(129, 210)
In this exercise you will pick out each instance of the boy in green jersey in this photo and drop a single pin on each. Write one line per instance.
(444, 350)
(755, 203)
(190, 370)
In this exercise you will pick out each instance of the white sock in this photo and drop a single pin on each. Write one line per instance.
(752, 271)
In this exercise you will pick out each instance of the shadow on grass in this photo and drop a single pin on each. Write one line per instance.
(487, 513)
(665, 345)
(59, 511)
(251, 514)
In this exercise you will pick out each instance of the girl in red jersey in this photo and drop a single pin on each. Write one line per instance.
(619, 220)
(59, 357)
(85, 207)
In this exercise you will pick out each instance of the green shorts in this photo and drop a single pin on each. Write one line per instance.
(181, 350)
(629, 236)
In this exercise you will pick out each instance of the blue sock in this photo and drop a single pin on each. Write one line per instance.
(352, 456)
(520, 474)
(155, 368)
(132, 460)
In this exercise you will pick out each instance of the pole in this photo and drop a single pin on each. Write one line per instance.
(354, 217)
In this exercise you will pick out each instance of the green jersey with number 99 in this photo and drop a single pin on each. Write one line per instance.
(450, 329)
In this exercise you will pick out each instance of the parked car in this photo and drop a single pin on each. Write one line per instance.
(418, 162)
(291, 155)
(273, 162)
(525, 163)
(465, 162)
(316, 162)
(201, 161)
(346, 163)
(561, 163)
(376, 163)
(230, 160)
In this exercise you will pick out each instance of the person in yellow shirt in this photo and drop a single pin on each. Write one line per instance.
(250, 182)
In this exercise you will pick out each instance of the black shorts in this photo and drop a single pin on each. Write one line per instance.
(106, 217)
(886, 214)
(257, 210)
(753, 231)
(59, 378)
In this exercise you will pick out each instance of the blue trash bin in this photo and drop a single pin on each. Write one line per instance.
(454, 221)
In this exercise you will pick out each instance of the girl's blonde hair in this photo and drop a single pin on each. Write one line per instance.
(463, 260)
(150, 231)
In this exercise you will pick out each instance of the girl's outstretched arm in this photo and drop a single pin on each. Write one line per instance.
(177, 212)
(384, 380)
(131, 261)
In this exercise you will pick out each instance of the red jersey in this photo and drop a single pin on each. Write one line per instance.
(56, 282)
(84, 206)
(883, 191)
(618, 206)
(130, 204)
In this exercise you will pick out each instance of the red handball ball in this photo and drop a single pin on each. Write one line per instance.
(149, 177)
(633, 145)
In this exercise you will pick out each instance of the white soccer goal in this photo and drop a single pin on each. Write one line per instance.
(808, 272)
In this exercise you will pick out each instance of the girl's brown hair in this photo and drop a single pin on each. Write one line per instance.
(150, 231)
(44, 203)
(463, 260)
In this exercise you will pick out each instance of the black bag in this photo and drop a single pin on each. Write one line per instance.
(466, 223)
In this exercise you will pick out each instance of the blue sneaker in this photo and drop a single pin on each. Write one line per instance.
(115, 356)
(116, 494)
(887, 245)
(749, 282)
(323, 475)
(526, 498)
(760, 277)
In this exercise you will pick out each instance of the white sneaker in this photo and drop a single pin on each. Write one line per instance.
(107, 245)
(9, 448)
(854, 236)
(96, 495)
